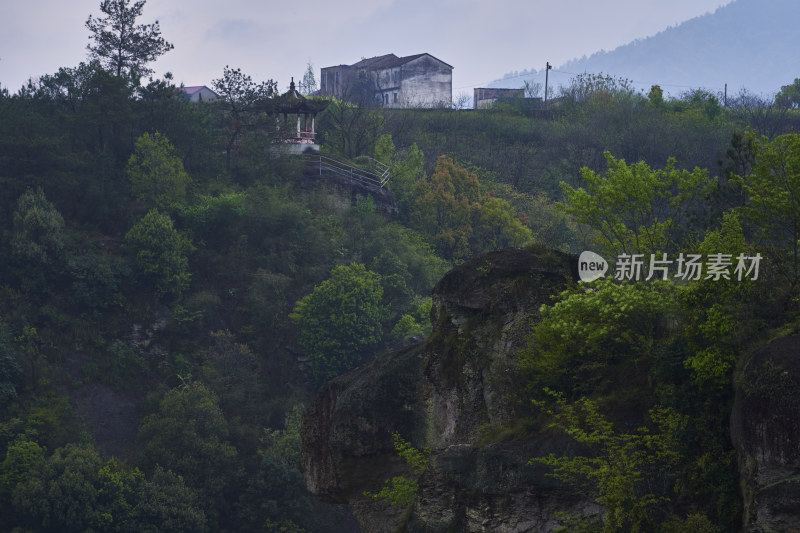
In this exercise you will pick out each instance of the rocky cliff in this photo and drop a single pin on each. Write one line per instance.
(765, 428)
(452, 394)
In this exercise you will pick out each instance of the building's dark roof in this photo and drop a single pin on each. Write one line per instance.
(375, 62)
(390, 61)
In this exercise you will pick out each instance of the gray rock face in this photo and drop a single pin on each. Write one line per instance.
(765, 428)
(439, 394)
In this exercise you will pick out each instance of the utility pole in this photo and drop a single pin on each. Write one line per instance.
(546, 76)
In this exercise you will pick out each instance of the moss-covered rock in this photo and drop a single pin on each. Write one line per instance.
(440, 394)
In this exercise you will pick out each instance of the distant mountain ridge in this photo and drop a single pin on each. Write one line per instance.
(747, 44)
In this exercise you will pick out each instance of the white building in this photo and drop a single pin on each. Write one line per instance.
(420, 80)
(199, 93)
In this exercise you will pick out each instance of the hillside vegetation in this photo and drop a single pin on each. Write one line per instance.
(173, 293)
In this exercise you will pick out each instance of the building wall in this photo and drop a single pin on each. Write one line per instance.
(342, 82)
(204, 94)
(332, 80)
(387, 86)
(422, 82)
(426, 82)
(485, 97)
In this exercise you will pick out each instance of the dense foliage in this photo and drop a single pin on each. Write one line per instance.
(172, 291)
(670, 330)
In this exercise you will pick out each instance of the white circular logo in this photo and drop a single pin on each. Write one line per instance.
(591, 266)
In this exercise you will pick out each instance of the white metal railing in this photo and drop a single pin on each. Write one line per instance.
(377, 176)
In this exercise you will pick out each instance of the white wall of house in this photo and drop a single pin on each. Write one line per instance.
(420, 82)
(203, 94)
(425, 82)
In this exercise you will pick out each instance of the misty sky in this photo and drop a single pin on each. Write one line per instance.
(268, 39)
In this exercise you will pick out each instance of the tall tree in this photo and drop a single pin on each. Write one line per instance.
(240, 97)
(189, 436)
(444, 207)
(120, 44)
(309, 84)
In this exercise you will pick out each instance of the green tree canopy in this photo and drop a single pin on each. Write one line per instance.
(61, 493)
(461, 218)
(497, 226)
(351, 130)
(75, 491)
(588, 328)
(789, 95)
(444, 207)
(189, 436)
(341, 320)
(156, 172)
(10, 369)
(160, 252)
(38, 231)
(617, 476)
(634, 208)
(773, 190)
(123, 46)
(240, 98)
(21, 457)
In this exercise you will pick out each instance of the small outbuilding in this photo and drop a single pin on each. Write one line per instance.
(487, 96)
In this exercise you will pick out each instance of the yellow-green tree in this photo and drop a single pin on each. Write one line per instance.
(460, 218)
(444, 207)
(617, 476)
(497, 226)
(633, 208)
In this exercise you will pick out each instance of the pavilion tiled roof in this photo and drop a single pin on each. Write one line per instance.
(293, 102)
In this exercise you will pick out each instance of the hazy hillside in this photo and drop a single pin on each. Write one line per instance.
(748, 44)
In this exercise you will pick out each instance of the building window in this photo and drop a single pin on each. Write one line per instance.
(337, 77)
(395, 76)
(395, 97)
